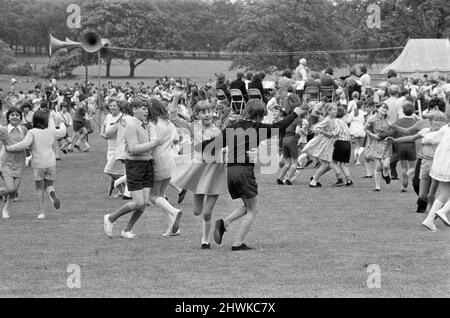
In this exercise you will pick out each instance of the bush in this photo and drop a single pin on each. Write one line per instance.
(20, 69)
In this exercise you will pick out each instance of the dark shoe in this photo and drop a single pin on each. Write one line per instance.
(58, 159)
(206, 246)
(421, 206)
(394, 178)
(55, 200)
(126, 198)
(77, 147)
(181, 195)
(288, 182)
(367, 177)
(219, 229)
(349, 183)
(64, 151)
(338, 183)
(241, 247)
(279, 182)
(404, 190)
(376, 190)
(387, 178)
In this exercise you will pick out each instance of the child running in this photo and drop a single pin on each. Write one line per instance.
(322, 145)
(379, 150)
(205, 179)
(138, 168)
(41, 139)
(342, 150)
(440, 171)
(163, 161)
(12, 163)
(242, 137)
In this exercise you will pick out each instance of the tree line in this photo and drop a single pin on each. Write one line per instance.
(225, 25)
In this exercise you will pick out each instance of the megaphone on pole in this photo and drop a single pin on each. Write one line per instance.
(55, 44)
(91, 42)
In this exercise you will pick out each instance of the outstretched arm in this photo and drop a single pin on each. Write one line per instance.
(421, 124)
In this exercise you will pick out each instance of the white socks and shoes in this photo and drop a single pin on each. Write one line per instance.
(5, 214)
(443, 217)
(41, 216)
(107, 225)
(429, 224)
(128, 235)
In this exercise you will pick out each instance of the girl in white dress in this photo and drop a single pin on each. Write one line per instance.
(357, 121)
(440, 171)
(114, 168)
(163, 160)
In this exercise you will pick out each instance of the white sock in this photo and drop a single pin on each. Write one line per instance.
(126, 192)
(166, 206)
(434, 208)
(360, 151)
(121, 180)
(206, 232)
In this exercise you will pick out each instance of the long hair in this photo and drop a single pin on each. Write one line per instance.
(156, 110)
(40, 118)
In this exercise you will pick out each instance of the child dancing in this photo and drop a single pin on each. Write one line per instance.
(241, 137)
(12, 163)
(40, 140)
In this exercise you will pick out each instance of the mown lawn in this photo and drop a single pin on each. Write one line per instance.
(309, 243)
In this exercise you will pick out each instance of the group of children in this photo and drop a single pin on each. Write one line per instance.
(141, 139)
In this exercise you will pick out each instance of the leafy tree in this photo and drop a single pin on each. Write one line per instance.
(6, 56)
(129, 24)
(286, 26)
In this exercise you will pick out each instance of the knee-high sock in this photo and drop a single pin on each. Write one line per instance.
(369, 169)
(166, 206)
(206, 231)
(360, 151)
(432, 214)
(377, 177)
(120, 180)
(446, 208)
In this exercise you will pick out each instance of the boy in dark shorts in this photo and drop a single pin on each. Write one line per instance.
(139, 170)
(240, 138)
(406, 150)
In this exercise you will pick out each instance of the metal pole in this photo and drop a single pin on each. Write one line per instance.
(86, 68)
(99, 94)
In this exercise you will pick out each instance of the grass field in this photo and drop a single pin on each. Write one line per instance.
(309, 243)
(149, 71)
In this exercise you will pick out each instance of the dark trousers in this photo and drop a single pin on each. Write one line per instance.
(416, 180)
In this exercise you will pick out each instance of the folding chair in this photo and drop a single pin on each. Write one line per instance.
(237, 101)
(254, 93)
(314, 92)
(327, 91)
(220, 94)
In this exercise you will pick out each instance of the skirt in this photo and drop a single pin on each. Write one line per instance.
(320, 147)
(357, 130)
(201, 177)
(113, 166)
(342, 151)
(379, 149)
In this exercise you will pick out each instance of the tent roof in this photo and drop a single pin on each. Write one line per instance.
(422, 56)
